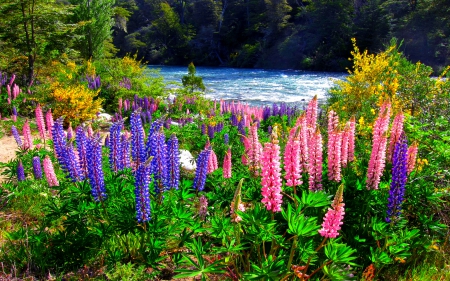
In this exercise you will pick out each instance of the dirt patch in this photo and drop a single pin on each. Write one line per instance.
(8, 147)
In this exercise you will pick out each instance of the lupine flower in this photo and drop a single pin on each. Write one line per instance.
(315, 162)
(37, 170)
(154, 128)
(49, 122)
(255, 150)
(351, 139)
(399, 176)
(137, 139)
(50, 172)
(334, 155)
(72, 165)
(412, 154)
(203, 207)
(16, 136)
(115, 147)
(20, 171)
(333, 121)
(14, 116)
(235, 217)
(142, 194)
(292, 159)
(212, 162)
(202, 170)
(125, 152)
(173, 157)
(271, 175)
(378, 156)
(40, 121)
(226, 138)
(27, 139)
(159, 162)
(227, 164)
(303, 139)
(396, 131)
(81, 141)
(59, 139)
(95, 172)
(311, 114)
(333, 218)
(70, 133)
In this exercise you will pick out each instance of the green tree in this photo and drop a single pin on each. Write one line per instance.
(33, 31)
(191, 81)
(96, 18)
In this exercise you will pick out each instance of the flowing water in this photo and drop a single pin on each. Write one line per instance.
(258, 86)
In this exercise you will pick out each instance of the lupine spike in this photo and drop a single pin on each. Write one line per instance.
(81, 141)
(173, 155)
(159, 162)
(334, 155)
(396, 131)
(203, 207)
(50, 172)
(271, 175)
(143, 179)
(212, 162)
(16, 136)
(20, 171)
(40, 121)
(115, 147)
(49, 122)
(137, 139)
(292, 159)
(37, 170)
(227, 165)
(412, 154)
(334, 217)
(95, 172)
(315, 162)
(27, 139)
(202, 169)
(399, 177)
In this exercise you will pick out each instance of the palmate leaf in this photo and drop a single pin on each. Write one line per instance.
(339, 253)
(298, 224)
(272, 269)
(314, 199)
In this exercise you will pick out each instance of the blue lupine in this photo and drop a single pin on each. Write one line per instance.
(241, 129)
(125, 152)
(143, 179)
(95, 172)
(16, 135)
(37, 169)
(14, 111)
(71, 164)
(115, 147)
(159, 161)
(226, 138)
(137, 139)
(20, 172)
(202, 170)
(210, 132)
(399, 177)
(155, 127)
(173, 169)
(59, 140)
(81, 140)
(203, 128)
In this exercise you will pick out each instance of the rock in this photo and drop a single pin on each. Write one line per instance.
(105, 117)
(187, 161)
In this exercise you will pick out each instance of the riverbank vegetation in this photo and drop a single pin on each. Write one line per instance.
(355, 189)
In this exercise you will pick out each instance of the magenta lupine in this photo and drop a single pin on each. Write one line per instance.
(378, 156)
(227, 164)
(40, 121)
(271, 175)
(50, 172)
(333, 218)
(49, 122)
(292, 159)
(396, 131)
(27, 139)
(315, 162)
(212, 162)
(334, 155)
(412, 154)
(351, 140)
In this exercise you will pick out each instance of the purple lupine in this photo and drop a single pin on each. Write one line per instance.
(203, 128)
(159, 161)
(202, 170)
(80, 138)
(125, 152)
(115, 147)
(37, 169)
(95, 172)
(173, 157)
(226, 138)
(16, 135)
(59, 140)
(399, 176)
(20, 171)
(72, 165)
(141, 192)
(137, 139)
(241, 129)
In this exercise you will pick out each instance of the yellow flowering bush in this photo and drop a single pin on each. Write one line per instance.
(76, 102)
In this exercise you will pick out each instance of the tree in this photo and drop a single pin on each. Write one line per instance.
(35, 30)
(96, 22)
(191, 81)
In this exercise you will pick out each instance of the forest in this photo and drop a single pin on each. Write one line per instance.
(283, 34)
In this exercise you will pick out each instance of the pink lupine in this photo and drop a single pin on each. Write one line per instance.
(235, 217)
(351, 140)
(334, 155)
(90, 131)
(8, 90)
(333, 218)
(120, 105)
(303, 139)
(255, 150)
(412, 154)
(227, 164)
(396, 131)
(311, 113)
(50, 172)
(315, 162)
(271, 175)
(292, 160)
(49, 122)
(40, 121)
(27, 139)
(379, 141)
(212, 162)
(344, 145)
(333, 121)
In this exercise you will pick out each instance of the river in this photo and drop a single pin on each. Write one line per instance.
(258, 86)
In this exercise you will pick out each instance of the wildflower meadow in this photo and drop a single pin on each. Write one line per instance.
(175, 186)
